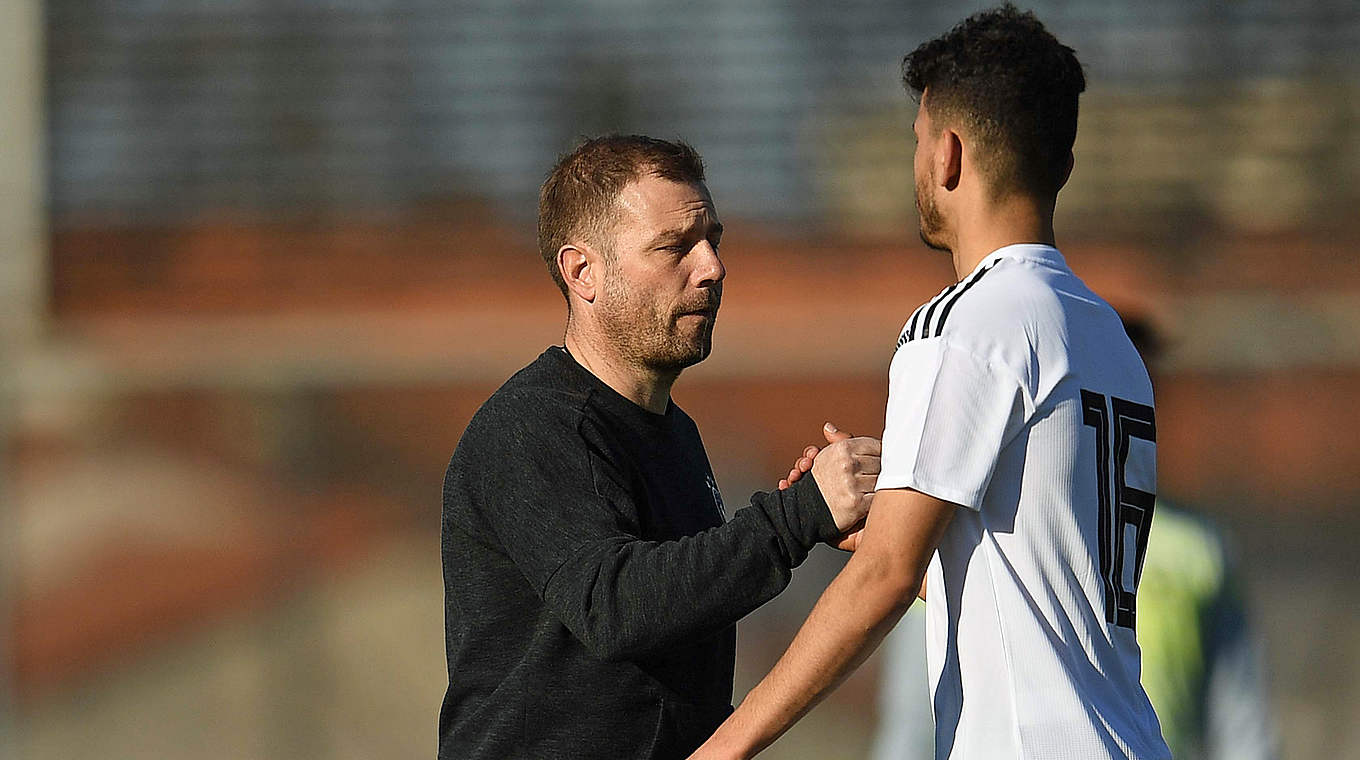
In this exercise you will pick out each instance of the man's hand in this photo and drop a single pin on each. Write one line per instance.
(846, 471)
(803, 464)
(849, 540)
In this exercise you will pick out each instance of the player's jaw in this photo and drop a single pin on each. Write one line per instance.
(931, 220)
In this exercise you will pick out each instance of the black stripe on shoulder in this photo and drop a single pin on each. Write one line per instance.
(909, 332)
(944, 313)
(919, 324)
(934, 304)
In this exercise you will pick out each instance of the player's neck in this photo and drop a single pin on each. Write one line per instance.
(643, 386)
(992, 226)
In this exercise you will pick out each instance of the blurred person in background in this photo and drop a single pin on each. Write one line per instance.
(1202, 661)
(592, 579)
(1018, 464)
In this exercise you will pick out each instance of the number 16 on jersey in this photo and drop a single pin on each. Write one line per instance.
(1124, 526)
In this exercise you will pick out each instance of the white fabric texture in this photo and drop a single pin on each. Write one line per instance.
(999, 393)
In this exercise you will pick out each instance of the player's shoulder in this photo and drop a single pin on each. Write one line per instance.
(1007, 288)
(1032, 294)
(930, 319)
(999, 297)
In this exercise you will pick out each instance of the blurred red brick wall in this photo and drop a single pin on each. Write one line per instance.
(1282, 438)
(324, 469)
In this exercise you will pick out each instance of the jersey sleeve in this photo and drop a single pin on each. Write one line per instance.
(949, 415)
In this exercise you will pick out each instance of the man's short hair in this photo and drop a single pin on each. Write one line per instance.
(577, 202)
(1013, 86)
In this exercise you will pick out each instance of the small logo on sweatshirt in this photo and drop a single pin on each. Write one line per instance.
(717, 497)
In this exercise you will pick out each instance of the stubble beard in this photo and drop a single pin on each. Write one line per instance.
(645, 335)
(931, 221)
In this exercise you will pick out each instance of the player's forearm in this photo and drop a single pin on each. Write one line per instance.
(852, 617)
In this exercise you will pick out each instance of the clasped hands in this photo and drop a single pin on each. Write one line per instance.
(846, 470)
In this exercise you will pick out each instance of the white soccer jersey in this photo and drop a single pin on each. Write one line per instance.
(1016, 394)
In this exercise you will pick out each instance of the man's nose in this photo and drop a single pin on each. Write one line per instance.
(710, 269)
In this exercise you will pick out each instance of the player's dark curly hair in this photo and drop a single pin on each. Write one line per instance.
(1000, 75)
(576, 201)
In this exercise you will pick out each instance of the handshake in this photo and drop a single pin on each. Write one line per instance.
(845, 470)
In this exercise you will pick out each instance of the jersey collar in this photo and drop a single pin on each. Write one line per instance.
(1037, 252)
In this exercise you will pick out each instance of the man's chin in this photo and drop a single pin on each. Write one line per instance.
(674, 361)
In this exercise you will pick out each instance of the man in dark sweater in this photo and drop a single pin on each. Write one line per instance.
(592, 578)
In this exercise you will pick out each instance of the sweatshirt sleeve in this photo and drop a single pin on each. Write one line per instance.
(532, 479)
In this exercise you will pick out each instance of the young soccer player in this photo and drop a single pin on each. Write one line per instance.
(1018, 466)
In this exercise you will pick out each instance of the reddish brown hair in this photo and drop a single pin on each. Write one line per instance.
(577, 200)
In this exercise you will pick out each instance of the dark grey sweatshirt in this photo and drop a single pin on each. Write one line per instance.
(591, 585)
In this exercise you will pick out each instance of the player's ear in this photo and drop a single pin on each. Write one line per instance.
(949, 159)
(582, 269)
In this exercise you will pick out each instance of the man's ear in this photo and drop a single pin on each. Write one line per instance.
(582, 269)
(949, 159)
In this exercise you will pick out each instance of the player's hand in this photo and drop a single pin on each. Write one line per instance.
(846, 471)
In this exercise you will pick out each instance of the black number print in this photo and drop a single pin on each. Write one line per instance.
(1124, 506)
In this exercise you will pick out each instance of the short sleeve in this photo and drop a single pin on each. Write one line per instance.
(949, 415)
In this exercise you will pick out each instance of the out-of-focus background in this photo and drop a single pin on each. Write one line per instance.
(260, 261)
